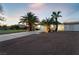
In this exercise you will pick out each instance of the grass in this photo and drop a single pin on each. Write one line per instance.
(10, 31)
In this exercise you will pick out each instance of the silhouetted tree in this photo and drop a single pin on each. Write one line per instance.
(30, 20)
(4, 27)
(1, 13)
(47, 22)
(14, 27)
(55, 16)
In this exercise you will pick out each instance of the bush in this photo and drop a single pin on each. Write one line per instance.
(4, 27)
(14, 27)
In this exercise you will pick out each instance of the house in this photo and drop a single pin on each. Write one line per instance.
(71, 26)
(66, 26)
(60, 27)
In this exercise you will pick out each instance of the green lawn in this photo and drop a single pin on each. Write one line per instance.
(10, 31)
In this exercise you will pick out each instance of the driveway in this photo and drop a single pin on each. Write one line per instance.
(16, 35)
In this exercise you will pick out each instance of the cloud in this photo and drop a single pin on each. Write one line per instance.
(13, 17)
(11, 21)
(36, 6)
(73, 17)
(37, 9)
(41, 10)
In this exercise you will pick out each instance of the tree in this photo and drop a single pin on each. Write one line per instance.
(55, 16)
(1, 12)
(47, 22)
(30, 20)
(15, 27)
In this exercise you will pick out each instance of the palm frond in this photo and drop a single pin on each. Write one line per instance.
(29, 18)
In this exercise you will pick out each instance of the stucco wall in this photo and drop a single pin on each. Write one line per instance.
(73, 27)
(60, 28)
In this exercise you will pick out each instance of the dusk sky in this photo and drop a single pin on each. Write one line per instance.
(13, 12)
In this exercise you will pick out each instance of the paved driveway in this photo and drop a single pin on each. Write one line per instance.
(55, 43)
(16, 35)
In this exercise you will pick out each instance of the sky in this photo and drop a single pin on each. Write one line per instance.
(14, 11)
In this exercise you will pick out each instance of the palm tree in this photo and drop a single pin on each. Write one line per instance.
(30, 20)
(1, 12)
(56, 15)
(47, 22)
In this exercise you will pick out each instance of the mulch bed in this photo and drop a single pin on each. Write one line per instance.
(55, 43)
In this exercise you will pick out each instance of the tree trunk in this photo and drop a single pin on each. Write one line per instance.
(56, 26)
(30, 27)
(49, 30)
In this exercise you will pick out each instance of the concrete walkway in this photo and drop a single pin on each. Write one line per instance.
(16, 35)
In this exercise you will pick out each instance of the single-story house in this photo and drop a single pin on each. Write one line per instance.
(67, 26)
(60, 27)
(71, 26)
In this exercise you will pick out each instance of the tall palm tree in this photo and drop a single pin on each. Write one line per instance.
(47, 22)
(56, 15)
(29, 19)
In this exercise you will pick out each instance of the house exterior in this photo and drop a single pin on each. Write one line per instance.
(71, 26)
(60, 27)
(67, 26)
